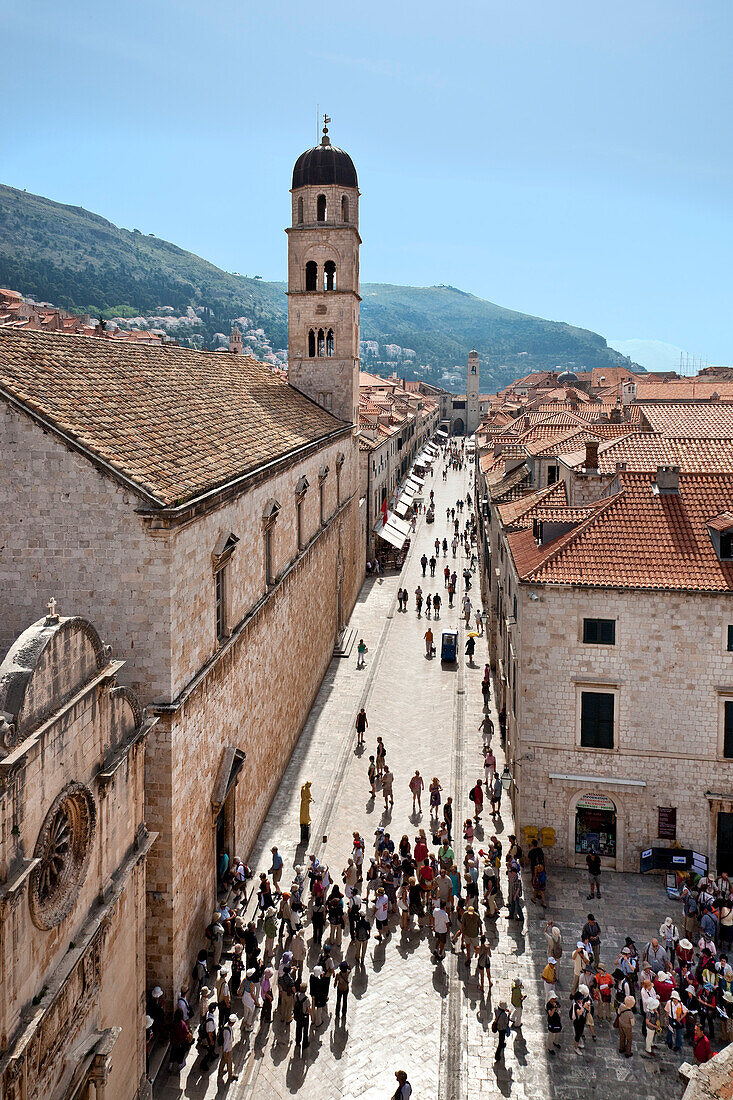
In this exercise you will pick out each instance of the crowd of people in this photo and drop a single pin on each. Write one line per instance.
(294, 958)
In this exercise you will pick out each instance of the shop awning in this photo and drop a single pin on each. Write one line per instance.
(414, 484)
(402, 507)
(419, 481)
(441, 432)
(392, 536)
(400, 524)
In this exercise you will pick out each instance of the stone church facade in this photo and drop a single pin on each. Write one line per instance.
(206, 516)
(73, 847)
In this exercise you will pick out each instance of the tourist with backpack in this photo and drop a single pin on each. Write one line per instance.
(500, 1027)
(302, 1016)
(518, 997)
(554, 1024)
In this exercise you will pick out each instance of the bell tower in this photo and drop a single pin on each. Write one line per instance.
(323, 279)
(472, 397)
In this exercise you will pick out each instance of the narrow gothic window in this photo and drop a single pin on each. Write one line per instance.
(329, 342)
(321, 208)
(300, 210)
(221, 617)
(321, 343)
(311, 275)
(312, 344)
(344, 208)
(329, 275)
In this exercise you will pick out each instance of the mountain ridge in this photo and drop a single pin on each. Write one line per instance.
(83, 262)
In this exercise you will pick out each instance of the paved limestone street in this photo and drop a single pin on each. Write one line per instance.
(405, 1010)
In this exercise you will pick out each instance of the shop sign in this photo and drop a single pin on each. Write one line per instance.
(667, 827)
(596, 801)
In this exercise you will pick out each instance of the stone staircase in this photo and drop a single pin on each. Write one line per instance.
(345, 642)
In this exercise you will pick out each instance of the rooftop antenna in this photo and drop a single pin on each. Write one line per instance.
(318, 118)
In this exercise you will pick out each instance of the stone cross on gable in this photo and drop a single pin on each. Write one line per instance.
(52, 613)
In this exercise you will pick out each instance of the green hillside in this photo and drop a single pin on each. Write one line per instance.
(81, 262)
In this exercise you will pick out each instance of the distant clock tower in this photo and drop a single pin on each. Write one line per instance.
(323, 279)
(473, 416)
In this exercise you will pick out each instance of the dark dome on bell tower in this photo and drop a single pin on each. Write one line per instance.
(323, 165)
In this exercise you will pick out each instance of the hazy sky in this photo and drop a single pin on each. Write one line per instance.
(567, 159)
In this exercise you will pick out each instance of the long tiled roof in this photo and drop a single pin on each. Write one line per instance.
(509, 486)
(690, 421)
(638, 539)
(175, 422)
(513, 511)
(647, 450)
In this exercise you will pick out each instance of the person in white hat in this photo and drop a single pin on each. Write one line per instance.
(727, 1020)
(676, 1016)
(227, 1049)
(581, 959)
(653, 1026)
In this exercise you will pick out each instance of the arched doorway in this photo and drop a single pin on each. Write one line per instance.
(458, 427)
(595, 821)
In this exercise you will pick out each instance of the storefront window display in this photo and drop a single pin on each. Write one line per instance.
(595, 825)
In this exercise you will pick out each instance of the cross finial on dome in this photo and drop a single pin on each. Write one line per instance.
(325, 140)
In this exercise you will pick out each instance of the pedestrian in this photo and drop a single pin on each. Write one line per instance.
(372, 777)
(429, 648)
(593, 862)
(518, 997)
(342, 988)
(387, 784)
(580, 959)
(215, 933)
(448, 815)
(361, 650)
(437, 601)
(514, 890)
(483, 963)
(227, 1048)
(535, 854)
(266, 994)
(676, 1013)
(476, 795)
(592, 934)
(479, 620)
(302, 1015)
(486, 692)
(487, 728)
(418, 600)
(416, 786)
(432, 565)
(362, 932)
(441, 926)
(467, 609)
(446, 576)
(625, 1023)
(451, 592)
(500, 1027)
(470, 650)
(701, 1046)
(181, 1041)
(428, 605)
(435, 789)
(577, 1016)
(404, 1088)
(319, 987)
(496, 791)
(539, 884)
(489, 769)
(604, 984)
(424, 563)
(276, 870)
(554, 1024)
(381, 910)
(549, 977)
(361, 726)
(553, 935)
(209, 1025)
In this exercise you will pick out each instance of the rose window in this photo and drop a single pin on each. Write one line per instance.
(62, 850)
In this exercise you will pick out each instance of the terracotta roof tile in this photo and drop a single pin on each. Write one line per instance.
(647, 450)
(513, 511)
(176, 422)
(692, 421)
(638, 539)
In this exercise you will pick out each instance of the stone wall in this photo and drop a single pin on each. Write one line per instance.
(256, 699)
(670, 670)
(71, 532)
(78, 950)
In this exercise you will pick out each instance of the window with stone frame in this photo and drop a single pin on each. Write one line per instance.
(599, 631)
(728, 729)
(730, 639)
(221, 559)
(269, 519)
(597, 719)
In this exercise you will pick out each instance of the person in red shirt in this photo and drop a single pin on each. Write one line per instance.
(664, 985)
(421, 849)
(604, 982)
(701, 1046)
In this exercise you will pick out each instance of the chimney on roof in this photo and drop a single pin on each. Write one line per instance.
(591, 456)
(620, 466)
(668, 480)
(100, 328)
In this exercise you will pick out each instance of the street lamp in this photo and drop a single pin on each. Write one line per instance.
(506, 778)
